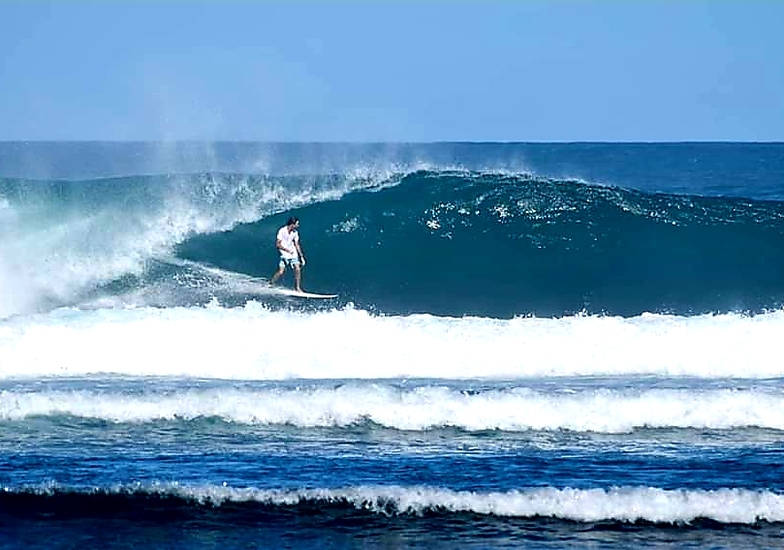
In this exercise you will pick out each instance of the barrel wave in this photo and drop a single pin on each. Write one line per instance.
(446, 242)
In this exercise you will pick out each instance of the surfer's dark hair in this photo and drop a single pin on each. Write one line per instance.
(292, 220)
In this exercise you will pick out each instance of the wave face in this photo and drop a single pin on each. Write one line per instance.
(443, 242)
(462, 243)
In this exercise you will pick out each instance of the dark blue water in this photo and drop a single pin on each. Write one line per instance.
(542, 345)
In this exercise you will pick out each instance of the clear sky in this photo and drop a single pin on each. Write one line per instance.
(513, 70)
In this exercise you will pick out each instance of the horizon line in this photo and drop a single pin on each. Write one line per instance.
(376, 142)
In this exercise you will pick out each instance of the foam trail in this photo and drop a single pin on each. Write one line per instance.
(423, 408)
(254, 343)
(624, 504)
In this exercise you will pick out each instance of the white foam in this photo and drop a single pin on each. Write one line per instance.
(626, 504)
(422, 408)
(254, 343)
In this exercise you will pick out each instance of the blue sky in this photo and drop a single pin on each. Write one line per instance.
(525, 70)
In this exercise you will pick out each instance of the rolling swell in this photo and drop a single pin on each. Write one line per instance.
(500, 245)
(416, 517)
(622, 504)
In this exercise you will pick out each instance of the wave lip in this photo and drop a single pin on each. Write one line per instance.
(621, 504)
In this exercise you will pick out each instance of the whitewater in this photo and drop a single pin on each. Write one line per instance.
(253, 342)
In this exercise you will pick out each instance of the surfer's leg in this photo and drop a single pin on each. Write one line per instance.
(297, 278)
(279, 272)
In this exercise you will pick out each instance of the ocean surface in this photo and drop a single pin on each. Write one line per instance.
(533, 345)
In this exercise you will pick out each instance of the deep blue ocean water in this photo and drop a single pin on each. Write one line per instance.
(536, 345)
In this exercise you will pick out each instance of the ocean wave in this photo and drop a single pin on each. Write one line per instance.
(621, 504)
(449, 242)
(422, 408)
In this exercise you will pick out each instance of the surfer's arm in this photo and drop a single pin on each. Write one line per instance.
(279, 246)
(299, 251)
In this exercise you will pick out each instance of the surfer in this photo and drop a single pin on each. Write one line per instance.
(287, 243)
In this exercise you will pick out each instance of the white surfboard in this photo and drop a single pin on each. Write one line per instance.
(257, 285)
(265, 284)
(289, 292)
